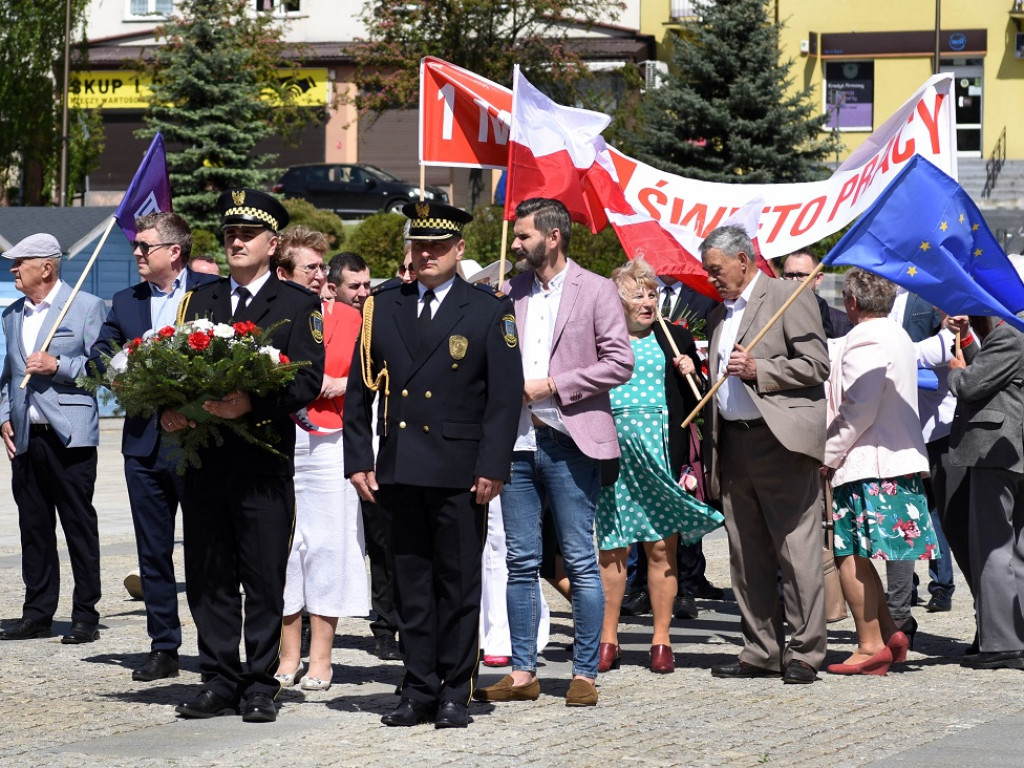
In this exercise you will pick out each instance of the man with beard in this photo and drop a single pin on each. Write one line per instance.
(575, 348)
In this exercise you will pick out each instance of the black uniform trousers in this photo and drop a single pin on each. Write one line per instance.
(437, 538)
(51, 480)
(238, 528)
(154, 491)
(382, 568)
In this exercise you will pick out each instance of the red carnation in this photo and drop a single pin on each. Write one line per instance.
(243, 328)
(167, 331)
(198, 341)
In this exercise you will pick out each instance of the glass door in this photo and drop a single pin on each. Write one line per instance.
(968, 79)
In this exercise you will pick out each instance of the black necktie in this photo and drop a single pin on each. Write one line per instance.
(666, 304)
(425, 316)
(243, 295)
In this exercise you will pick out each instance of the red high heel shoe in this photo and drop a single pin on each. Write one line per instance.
(899, 644)
(877, 665)
(608, 657)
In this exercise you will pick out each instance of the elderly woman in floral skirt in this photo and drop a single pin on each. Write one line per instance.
(875, 455)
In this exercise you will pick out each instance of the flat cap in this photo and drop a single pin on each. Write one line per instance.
(38, 246)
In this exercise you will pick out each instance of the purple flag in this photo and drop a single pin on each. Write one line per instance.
(150, 190)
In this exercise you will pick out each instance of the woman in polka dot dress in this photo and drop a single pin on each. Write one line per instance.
(647, 503)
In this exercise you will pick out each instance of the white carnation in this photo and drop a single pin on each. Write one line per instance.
(202, 324)
(223, 331)
(272, 352)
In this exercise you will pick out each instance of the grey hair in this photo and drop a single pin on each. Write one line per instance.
(729, 240)
(875, 295)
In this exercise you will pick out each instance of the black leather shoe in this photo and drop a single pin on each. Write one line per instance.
(636, 604)
(799, 673)
(685, 607)
(81, 632)
(26, 629)
(994, 660)
(452, 714)
(408, 713)
(159, 665)
(741, 669)
(939, 604)
(206, 704)
(385, 648)
(708, 591)
(259, 708)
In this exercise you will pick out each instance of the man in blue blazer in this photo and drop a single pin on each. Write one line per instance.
(50, 429)
(161, 248)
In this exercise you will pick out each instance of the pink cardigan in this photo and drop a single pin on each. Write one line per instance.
(590, 354)
(873, 425)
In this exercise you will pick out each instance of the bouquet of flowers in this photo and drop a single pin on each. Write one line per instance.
(183, 366)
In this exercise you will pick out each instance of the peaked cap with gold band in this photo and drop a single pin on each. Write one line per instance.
(252, 208)
(435, 221)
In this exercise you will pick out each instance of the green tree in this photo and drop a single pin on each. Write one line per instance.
(726, 111)
(483, 36)
(378, 239)
(31, 83)
(305, 213)
(216, 93)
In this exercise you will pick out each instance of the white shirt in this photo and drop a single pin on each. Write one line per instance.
(538, 335)
(733, 398)
(253, 288)
(33, 318)
(439, 293)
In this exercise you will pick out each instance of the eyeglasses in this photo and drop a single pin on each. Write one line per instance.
(145, 248)
(406, 268)
(796, 275)
(309, 269)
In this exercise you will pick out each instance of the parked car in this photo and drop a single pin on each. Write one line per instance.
(352, 188)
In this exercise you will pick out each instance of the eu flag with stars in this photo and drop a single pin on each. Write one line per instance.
(926, 234)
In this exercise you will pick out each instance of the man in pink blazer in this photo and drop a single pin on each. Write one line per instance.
(765, 435)
(575, 348)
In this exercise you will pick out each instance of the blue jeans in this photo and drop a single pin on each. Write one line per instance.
(561, 475)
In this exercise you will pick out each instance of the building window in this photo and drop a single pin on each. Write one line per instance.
(143, 8)
(279, 7)
(682, 9)
(850, 95)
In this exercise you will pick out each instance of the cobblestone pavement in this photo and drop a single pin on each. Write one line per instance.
(64, 705)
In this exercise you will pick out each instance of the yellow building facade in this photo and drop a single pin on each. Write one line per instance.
(864, 59)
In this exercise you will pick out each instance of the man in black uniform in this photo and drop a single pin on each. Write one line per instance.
(443, 355)
(239, 506)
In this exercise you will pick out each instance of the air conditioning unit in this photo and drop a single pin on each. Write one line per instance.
(654, 73)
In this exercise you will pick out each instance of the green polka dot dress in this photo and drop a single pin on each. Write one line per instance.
(647, 503)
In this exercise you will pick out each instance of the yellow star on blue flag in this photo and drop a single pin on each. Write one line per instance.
(926, 234)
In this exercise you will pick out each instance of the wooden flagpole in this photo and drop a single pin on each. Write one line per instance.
(676, 353)
(774, 318)
(74, 292)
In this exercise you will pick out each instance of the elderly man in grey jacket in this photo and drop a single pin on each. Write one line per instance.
(50, 428)
(988, 437)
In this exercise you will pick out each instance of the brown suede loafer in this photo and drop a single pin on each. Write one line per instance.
(581, 693)
(504, 690)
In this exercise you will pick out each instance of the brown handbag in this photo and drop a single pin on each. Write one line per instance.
(835, 603)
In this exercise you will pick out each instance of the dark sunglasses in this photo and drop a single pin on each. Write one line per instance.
(145, 248)
(796, 275)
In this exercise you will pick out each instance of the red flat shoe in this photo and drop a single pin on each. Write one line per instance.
(496, 661)
(663, 660)
(608, 657)
(877, 665)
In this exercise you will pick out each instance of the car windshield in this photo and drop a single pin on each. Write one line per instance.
(379, 173)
